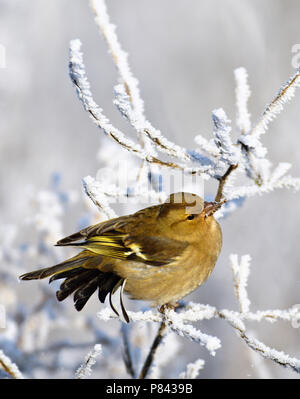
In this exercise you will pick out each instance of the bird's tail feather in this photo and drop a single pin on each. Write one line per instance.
(81, 278)
(70, 264)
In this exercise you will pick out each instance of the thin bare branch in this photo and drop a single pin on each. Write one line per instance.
(157, 341)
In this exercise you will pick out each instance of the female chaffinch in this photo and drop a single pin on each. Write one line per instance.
(159, 254)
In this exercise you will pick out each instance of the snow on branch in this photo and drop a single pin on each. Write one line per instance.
(276, 356)
(128, 99)
(222, 130)
(119, 56)
(102, 193)
(240, 274)
(285, 94)
(287, 182)
(209, 147)
(175, 322)
(140, 124)
(98, 197)
(80, 81)
(254, 153)
(9, 367)
(242, 93)
(85, 370)
(192, 369)
(129, 87)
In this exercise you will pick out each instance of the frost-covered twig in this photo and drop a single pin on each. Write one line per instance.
(195, 312)
(222, 182)
(276, 356)
(85, 370)
(130, 87)
(209, 147)
(192, 369)
(80, 81)
(242, 94)
(288, 182)
(122, 101)
(222, 136)
(228, 153)
(98, 191)
(240, 275)
(285, 94)
(176, 323)
(10, 367)
(97, 196)
(118, 54)
(254, 153)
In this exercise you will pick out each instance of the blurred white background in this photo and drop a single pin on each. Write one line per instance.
(183, 54)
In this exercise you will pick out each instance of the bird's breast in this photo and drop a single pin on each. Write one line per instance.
(169, 283)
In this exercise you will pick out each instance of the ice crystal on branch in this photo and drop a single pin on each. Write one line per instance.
(285, 94)
(242, 93)
(240, 274)
(192, 370)
(9, 367)
(222, 129)
(85, 370)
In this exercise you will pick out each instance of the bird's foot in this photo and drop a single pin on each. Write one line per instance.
(166, 306)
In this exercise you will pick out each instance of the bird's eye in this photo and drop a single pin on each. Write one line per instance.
(190, 217)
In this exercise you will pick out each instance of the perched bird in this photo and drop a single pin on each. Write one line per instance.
(159, 254)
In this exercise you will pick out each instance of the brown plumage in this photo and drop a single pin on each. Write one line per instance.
(159, 254)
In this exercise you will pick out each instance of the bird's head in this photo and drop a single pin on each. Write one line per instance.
(187, 213)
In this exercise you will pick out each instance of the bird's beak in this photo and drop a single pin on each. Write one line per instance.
(211, 207)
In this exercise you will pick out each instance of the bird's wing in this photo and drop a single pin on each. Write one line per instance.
(154, 250)
(124, 238)
(115, 226)
(103, 238)
(108, 226)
